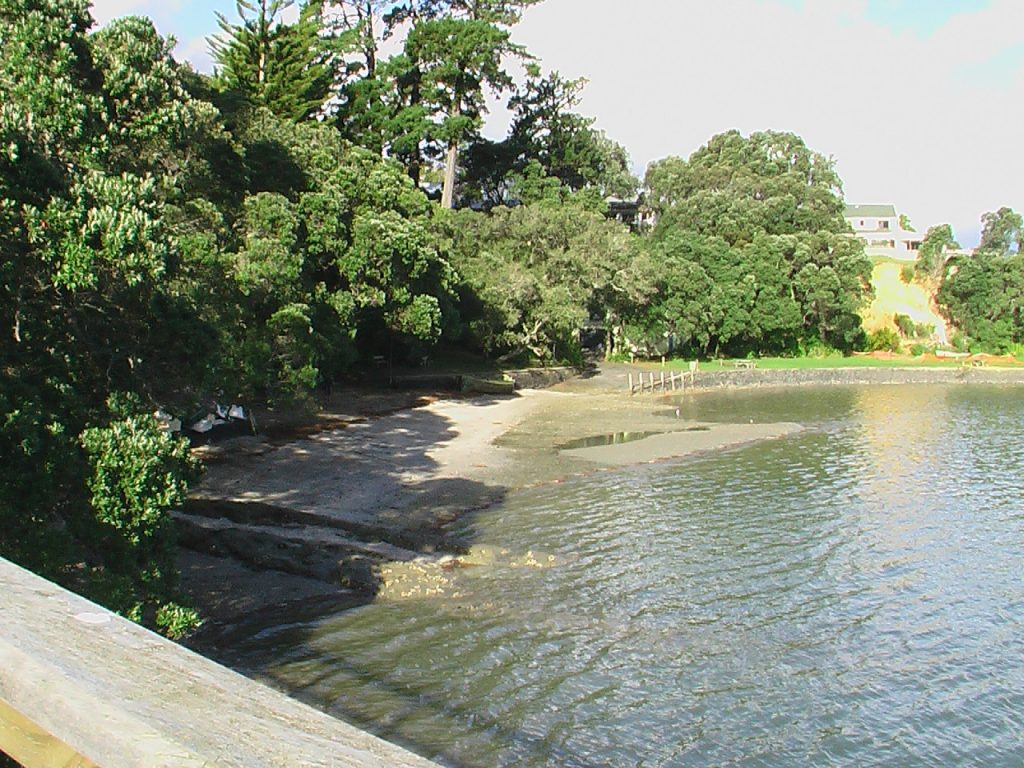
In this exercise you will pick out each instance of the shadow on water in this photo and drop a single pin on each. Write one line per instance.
(278, 541)
(371, 483)
(414, 702)
(671, 630)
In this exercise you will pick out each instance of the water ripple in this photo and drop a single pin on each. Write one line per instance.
(850, 595)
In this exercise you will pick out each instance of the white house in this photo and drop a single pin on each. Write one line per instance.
(879, 227)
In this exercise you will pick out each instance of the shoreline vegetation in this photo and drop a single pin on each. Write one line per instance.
(377, 501)
(324, 210)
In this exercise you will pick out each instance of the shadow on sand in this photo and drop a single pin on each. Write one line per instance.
(314, 521)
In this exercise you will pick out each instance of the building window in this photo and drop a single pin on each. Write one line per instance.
(883, 225)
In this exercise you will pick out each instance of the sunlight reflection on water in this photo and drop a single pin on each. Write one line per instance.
(852, 594)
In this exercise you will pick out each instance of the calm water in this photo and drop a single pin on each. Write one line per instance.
(852, 595)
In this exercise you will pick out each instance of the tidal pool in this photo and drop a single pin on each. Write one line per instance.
(851, 594)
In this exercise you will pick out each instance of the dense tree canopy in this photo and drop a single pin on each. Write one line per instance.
(156, 251)
(533, 276)
(86, 257)
(755, 251)
(736, 187)
(167, 237)
(982, 294)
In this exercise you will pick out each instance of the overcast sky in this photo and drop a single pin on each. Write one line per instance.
(920, 102)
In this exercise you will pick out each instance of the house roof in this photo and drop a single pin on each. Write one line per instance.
(870, 211)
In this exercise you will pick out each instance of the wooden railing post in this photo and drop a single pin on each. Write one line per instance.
(83, 688)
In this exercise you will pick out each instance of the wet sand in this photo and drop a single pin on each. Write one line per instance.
(398, 469)
(399, 483)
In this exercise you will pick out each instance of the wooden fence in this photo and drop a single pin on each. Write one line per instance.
(673, 382)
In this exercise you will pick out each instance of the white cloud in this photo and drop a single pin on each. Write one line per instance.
(896, 111)
(976, 36)
(197, 52)
(105, 10)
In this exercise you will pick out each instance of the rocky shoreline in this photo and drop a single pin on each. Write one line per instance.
(325, 516)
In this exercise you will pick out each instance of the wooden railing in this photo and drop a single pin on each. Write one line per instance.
(661, 382)
(83, 688)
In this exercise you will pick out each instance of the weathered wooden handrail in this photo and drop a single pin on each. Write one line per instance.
(82, 687)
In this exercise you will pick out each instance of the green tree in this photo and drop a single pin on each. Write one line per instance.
(1002, 231)
(86, 264)
(339, 258)
(291, 69)
(982, 295)
(565, 143)
(458, 59)
(685, 304)
(547, 140)
(736, 187)
(933, 254)
(533, 275)
(762, 219)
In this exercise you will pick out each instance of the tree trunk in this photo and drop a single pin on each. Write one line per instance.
(448, 194)
(610, 335)
(369, 42)
(415, 165)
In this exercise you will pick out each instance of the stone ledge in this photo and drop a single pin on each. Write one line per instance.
(709, 378)
(121, 696)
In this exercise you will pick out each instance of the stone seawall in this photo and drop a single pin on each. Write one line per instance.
(540, 378)
(749, 378)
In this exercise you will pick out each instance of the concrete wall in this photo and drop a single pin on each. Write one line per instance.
(80, 686)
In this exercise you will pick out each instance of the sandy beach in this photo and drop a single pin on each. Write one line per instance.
(382, 480)
(325, 515)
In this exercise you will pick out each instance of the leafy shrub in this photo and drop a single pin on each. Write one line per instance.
(138, 474)
(958, 342)
(907, 273)
(912, 330)
(884, 339)
(816, 348)
(904, 323)
(176, 621)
